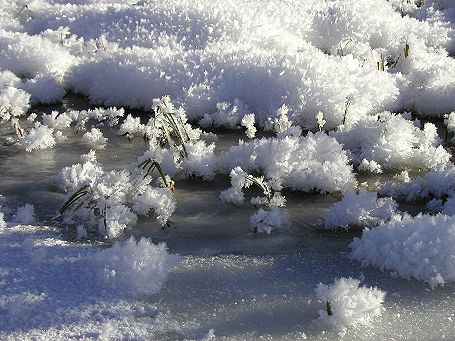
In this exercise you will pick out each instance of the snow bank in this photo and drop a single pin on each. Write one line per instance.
(79, 290)
(315, 56)
(364, 209)
(312, 163)
(33, 55)
(422, 247)
(135, 268)
(348, 303)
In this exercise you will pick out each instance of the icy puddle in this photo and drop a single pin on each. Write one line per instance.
(230, 284)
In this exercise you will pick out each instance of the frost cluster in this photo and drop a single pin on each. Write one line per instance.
(110, 201)
(266, 221)
(435, 183)
(392, 142)
(14, 101)
(272, 218)
(25, 215)
(347, 303)
(94, 139)
(37, 138)
(364, 209)
(135, 267)
(315, 162)
(422, 247)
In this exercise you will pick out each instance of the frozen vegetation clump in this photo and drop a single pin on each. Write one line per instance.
(438, 183)
(37, 138)
(347, 303)
(422, 247)
(14, 101)
(364, 209)
(391, 141)
(25, 215)
(315, 162)
(110, 201)
(135, 268)
(264, 220)
(94, 139)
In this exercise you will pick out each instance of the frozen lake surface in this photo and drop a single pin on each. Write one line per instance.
(230, 282)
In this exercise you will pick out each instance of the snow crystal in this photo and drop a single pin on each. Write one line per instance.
(248, 123)
(312, 163)
(2, 220)
(94, 139)
(135, 268)
(160, 200)
(25, 215)
(57, 120)
(13, 100)
(370, 166)
(39, 137)
(364, 209)
(80, 174)
(44, 89)
(348, 303)
(200, 160)
(422, 247)
(265, 221)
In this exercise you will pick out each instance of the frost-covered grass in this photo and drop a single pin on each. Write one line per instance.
(364, 209)
(346, 302)
(420, 247)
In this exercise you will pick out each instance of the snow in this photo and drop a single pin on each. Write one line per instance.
(67, 293)
(25, 215)
(334, 97)
(349, 303)
(315, 162)
(364, 209)
(420, 247)
(94, 139)
(136, 267)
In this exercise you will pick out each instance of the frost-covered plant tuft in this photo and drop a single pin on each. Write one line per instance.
(422, 247)
(264, 220)
(346, 302)
(364, 209)
(135, 268)
(110, 201)
(25, 215)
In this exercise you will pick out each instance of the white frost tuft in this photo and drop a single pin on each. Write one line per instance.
(135, 268)
(349, 303)
(25, 215)
(422, 247)
(360, 210)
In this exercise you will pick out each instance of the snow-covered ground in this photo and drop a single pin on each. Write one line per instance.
(272, 170)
